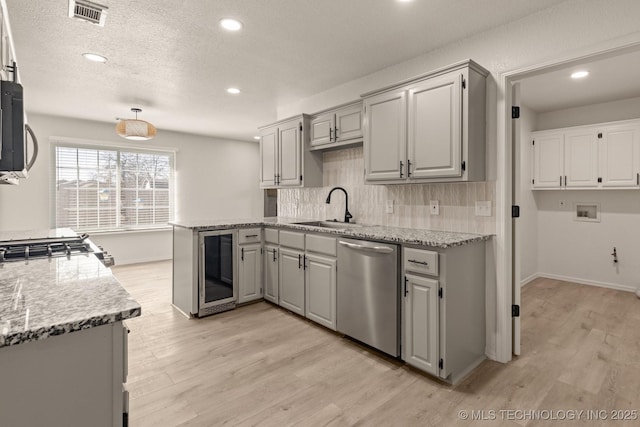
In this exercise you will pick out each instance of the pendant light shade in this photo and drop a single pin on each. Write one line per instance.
(134, 129)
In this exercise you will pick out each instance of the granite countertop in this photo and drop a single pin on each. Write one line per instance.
(45, 297)
(413, 236)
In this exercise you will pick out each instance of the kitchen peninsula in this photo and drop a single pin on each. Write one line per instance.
(63, 345)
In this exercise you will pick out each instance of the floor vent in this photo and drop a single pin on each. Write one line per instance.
(88, 11)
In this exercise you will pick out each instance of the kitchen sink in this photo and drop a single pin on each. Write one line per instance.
(329, 224)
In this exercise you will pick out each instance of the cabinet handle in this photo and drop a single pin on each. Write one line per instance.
(304, 262)
(251, 235)
(638, 179)
(565, 180)
(274, 255)
(401, 165)
(560, 180)
(242, 254)
(330, 134)
(408, 168)
(299, 261)
(419, 262)
(335, 134)
(405, 286)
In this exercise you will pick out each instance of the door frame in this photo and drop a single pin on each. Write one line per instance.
(505, 244)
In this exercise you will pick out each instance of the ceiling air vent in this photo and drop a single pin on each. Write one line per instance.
(88, 11)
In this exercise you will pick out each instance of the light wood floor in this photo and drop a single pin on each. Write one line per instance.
(260, 365)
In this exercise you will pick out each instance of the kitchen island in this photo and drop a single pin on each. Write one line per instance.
(63, 351)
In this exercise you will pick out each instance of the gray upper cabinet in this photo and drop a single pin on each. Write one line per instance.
(285, 159)
(428, 129)
(337, 127)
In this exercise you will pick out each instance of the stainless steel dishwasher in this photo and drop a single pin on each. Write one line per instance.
(368, 294)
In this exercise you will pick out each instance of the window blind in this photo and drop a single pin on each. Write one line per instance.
(100, 188)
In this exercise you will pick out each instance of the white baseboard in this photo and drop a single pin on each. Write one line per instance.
(529, 279)
(139, 260)
(608, 285)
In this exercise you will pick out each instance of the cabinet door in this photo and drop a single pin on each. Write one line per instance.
(385, 136)
(271, 278)
(322, 129)
(292, 280)
(581, 158)
(250, 273)
(348, 123)
(268, 156)
(320, 290)
(290, 154)
(421, 325)
(619, 156)
(435, 128)
(548, 161)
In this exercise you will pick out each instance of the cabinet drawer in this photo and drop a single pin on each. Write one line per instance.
(271, 235)
(321, 244)
(292, 239)
(420, 261)
(249, 235)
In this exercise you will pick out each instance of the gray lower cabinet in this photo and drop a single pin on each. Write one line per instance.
(271, 270)
(444, 309)
(421, 327)
(320, 289)
(292, 280)
(250, 272)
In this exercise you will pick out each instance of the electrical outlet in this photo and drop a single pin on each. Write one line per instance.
(483, 208)
(388, 208)
(434, 207)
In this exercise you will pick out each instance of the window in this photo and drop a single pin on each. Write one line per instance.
(100, 188)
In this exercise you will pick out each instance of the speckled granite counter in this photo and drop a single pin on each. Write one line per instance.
(413, 236)
(40, 298)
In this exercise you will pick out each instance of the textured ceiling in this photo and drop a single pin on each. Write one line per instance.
(170, 57)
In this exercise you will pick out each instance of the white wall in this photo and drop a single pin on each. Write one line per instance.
(214, 179)
(527, 231)
(580, 251)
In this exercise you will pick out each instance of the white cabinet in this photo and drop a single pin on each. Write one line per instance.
(421, 331)
(250, 273)
(285, 159)
(271, 273)
(320, 279)
(340, 125)
(429, 129)
(620, 155)
(292, 280)
(599, 156)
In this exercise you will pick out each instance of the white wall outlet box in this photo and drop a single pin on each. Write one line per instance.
(483, 208)
(434, 207)
(587, 212)
(388, 208)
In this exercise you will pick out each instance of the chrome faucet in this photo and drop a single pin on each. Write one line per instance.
(347, 215)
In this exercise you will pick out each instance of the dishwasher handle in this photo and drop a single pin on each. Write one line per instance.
(376, 249)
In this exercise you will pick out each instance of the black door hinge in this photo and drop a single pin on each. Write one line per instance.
(515, 310)
(440, 293)
(533, 142)
(300, 177)
(599, 135)
(441, 364)
(515, 112)
(464, 166)
(533, 181)
(599, 179)
(515, 211)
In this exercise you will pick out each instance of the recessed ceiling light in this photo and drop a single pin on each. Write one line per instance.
(256, 137)
(579, 74)
(230, 24)
(94, 57)
(405, 1)
(233, 90)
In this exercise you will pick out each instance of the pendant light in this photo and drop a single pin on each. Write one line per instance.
(134, 129)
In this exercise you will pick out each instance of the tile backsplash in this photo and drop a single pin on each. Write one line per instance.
(345, 168)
